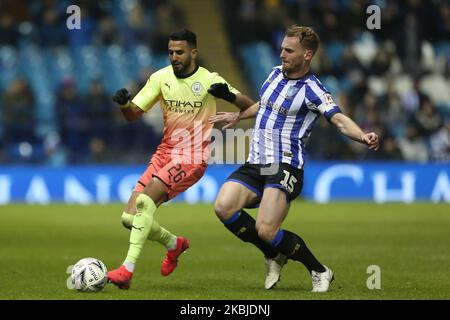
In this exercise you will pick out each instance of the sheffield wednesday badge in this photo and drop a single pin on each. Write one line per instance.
(292, 91)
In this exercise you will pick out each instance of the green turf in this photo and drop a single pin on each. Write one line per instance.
(410, 243)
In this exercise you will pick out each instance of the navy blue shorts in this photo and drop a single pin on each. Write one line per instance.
(257, 177)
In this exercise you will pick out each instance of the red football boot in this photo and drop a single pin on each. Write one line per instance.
(170, 262)
(121, 277)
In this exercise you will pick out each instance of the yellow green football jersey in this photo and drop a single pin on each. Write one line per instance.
(185, 103)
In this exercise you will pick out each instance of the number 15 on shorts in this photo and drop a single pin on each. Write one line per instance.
(289, 181)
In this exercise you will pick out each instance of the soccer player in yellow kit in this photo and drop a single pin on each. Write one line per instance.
(186, 93)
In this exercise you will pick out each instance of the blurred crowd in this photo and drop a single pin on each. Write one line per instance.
(88, 127)
(104, 22)
(394, 80)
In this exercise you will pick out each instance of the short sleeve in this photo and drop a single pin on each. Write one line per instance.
(149, 94)
(218, 79)
(319, 99)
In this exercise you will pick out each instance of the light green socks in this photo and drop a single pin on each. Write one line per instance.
(164, 237)
(157, 233)
(127, 220)
(142, 224)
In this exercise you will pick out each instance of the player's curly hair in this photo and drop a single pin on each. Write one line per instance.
(309, 39)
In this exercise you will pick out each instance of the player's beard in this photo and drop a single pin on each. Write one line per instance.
(182, 67)
(292, 67)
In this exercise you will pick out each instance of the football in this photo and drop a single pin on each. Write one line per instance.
(89, 275)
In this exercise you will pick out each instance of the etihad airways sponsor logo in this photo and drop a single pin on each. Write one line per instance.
(183, 104)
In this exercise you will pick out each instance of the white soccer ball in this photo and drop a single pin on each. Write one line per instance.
(89, 275)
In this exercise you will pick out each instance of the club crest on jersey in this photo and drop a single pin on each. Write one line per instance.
(292, 91)
(197, 88)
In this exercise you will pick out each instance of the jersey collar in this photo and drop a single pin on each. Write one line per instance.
(189, 74)
(299, 78)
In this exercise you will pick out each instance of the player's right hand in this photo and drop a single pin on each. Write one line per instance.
(371, 140)
(122, 96)
(230, 118)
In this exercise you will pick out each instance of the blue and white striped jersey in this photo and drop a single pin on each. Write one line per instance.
(287, 112)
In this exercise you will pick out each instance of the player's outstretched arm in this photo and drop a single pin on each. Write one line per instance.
(243, 102)
(349, 128)
(249, 112)
(129, 110)
(222, 91)
(232, 118)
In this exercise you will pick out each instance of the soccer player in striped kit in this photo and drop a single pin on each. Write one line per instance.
(291, 100)
(187, 96)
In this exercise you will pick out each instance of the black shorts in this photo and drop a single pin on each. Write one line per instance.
(257, 177)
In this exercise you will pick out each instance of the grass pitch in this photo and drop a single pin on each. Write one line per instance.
(410, 244)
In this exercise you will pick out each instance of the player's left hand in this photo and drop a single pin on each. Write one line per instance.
(221, 90)
(230, 118)
(372, 140)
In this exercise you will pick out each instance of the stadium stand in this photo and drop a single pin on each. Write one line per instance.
(393, 80)
(59, 68)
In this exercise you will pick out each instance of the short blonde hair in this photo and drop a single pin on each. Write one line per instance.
(309, 39)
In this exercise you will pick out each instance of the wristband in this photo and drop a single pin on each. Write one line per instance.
(126, 105)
